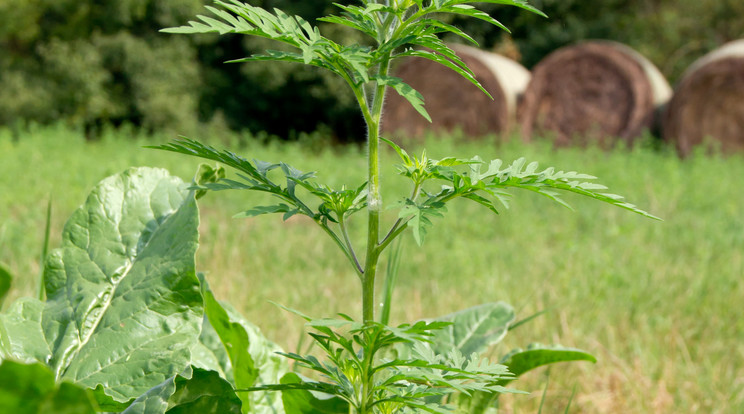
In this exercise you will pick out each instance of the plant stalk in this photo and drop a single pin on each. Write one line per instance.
(374, 198)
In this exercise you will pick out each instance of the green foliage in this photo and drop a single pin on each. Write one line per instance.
(236, 342)
(359, 373)
(5, 281)
(636, 280)
(303, 401)
(479, 328)
(124, 281)
(488, 179)
(31, 389)
(96, 62)
(356, 372)
(250, 357)
(474, 329)
(194, 391)
(122, 284)
(520, 361)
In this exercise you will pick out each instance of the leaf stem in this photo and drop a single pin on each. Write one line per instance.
(349, 254)
(350, 247)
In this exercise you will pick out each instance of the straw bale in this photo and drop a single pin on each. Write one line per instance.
(593, 91)
(709, 102)
(452, 101)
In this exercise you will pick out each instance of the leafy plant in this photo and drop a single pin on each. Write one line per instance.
(127, 322)
(397, 29)
(128, 319)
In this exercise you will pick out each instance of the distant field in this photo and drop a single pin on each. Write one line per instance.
(659, 303)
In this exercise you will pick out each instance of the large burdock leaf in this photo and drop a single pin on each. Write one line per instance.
(193, 391)
(474, 329)
(123, 303)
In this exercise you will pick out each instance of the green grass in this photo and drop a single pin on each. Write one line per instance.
(659, 303)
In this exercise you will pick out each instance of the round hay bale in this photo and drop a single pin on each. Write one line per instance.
(592, 91)
(709, 102)
(452, 101)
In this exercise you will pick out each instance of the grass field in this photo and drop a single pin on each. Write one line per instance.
(659, 303)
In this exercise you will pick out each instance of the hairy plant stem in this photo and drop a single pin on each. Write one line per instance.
(374, 199)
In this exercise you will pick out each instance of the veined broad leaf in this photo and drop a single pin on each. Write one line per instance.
(209, 353)
(473, 329)
(251, 358)
(236, 342)
(193, 391)
(123, 303)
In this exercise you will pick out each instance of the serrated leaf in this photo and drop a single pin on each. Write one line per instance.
(406, 91)
(123, 305)
(259, 210)
(206, 174)
(401, 152)
(523, 4)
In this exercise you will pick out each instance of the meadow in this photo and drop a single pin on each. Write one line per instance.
(658, 303)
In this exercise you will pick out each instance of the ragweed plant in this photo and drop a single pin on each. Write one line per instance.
(358, 372)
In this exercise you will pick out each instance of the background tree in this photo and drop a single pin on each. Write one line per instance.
(93, 63)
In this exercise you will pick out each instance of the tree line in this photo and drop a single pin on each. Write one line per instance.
(104, 62)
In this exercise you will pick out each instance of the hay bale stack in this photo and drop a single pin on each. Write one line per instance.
(709, 102)
(592, 91)
(452, 101)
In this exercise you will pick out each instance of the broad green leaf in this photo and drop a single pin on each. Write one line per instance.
(21, 334)
(205, 392)
(5, 281)
(270, 365)
(209, 353)
(252, 358)
(536, 355)
(236, 342)
(107, 404)
(123, 303)
(193, 391)
(31, 389)
(474, 329)
(155, 400)
(300, 401)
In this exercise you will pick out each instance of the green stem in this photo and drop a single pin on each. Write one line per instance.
(340, 244)
(374, 199)
(349, 246)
